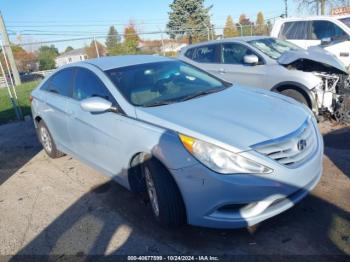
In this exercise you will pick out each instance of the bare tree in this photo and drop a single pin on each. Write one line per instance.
(319, 7)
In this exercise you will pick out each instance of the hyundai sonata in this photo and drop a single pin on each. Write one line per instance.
(204, 151)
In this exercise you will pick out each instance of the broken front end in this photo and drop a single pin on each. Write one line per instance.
(333, 96)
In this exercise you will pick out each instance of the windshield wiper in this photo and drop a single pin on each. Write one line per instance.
(191, 96)
(201, 93)
(160, 103)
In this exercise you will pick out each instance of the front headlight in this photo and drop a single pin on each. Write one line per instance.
(221, 160)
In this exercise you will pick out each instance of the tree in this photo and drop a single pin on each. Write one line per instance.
(189, 19)
(46, 57)
(91, 49)
(131, 39)
(230, 29)
(260, 26)
(245, 24)
(68, 48)
(25, 61)
(318, 7)
(112, 39)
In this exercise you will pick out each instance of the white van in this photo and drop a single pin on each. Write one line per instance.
(332, 32)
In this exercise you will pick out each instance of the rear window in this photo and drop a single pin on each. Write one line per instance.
(206, 54)
(60, 83)
(294, 30)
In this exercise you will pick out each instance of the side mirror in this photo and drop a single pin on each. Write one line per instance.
(96, 105)
(326, 41)
(251, 59)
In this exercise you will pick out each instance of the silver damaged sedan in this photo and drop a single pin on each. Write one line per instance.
(206, 152)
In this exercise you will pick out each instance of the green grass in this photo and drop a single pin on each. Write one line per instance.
(7, 113)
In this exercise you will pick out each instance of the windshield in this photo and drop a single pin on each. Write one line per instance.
(160, 83)
(272, 47)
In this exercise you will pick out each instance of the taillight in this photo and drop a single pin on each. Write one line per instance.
(30, 99)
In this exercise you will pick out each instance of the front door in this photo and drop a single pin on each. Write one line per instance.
(234, 70)
(97, 138)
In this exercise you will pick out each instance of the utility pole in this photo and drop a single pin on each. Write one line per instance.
(8, 51)
(286, 8)
(97, 52)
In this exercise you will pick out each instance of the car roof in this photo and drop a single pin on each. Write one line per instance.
(111, 62)
(227, 40)
(310, 18)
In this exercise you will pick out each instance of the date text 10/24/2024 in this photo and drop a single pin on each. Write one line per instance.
(173, 258)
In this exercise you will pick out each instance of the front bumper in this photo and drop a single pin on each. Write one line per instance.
(240, 200)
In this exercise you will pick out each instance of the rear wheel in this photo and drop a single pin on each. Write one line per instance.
(47, 141)
(295, 95)
(165, 198)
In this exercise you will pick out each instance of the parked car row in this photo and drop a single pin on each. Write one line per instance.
(206, 152)
(312, 76)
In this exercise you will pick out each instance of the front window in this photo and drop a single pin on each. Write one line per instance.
(156, 84)
(326, 29)
(272, 47)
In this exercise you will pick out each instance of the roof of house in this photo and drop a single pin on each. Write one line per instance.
(74, 52)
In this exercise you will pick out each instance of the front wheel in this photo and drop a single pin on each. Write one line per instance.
(296, 95)
(165, 198)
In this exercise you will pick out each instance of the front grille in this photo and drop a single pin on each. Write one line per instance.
(293, 149)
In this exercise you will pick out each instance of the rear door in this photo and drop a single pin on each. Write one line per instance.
(234, 70)
(58, 91)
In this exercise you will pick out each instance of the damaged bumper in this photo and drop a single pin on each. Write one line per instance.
(333, 96)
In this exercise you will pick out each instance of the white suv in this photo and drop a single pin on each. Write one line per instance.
(333, 33)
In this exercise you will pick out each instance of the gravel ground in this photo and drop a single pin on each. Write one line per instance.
(64, 207)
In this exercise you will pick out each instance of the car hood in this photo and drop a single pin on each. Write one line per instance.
(235, 118)
(315, 54)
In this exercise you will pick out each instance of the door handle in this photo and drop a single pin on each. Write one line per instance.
(222, 71)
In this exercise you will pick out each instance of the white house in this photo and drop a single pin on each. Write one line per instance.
(172, 46)
(74, 55)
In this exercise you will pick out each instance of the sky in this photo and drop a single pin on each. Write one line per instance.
(43, 20)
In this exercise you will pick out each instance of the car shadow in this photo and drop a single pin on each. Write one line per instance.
(111, 220)
(17, 147)
(336, 144)
(89, 226)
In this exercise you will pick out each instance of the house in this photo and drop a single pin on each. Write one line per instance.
(74, 55)
(172, 46)
(159, 46)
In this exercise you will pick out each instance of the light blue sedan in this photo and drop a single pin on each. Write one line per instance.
(206, 152)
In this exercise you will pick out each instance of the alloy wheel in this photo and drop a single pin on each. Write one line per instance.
(45, 139)
(152, 193)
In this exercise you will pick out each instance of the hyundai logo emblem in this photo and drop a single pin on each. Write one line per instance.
(301, 144)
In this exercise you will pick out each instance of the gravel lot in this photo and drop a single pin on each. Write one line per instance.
(64, 207)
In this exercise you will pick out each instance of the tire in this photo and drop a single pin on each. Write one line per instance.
(165, 198)
(296, 95)
(47, 142)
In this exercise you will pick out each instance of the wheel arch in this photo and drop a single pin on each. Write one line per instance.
(37, 119)
(135, 175)
(309, 96)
